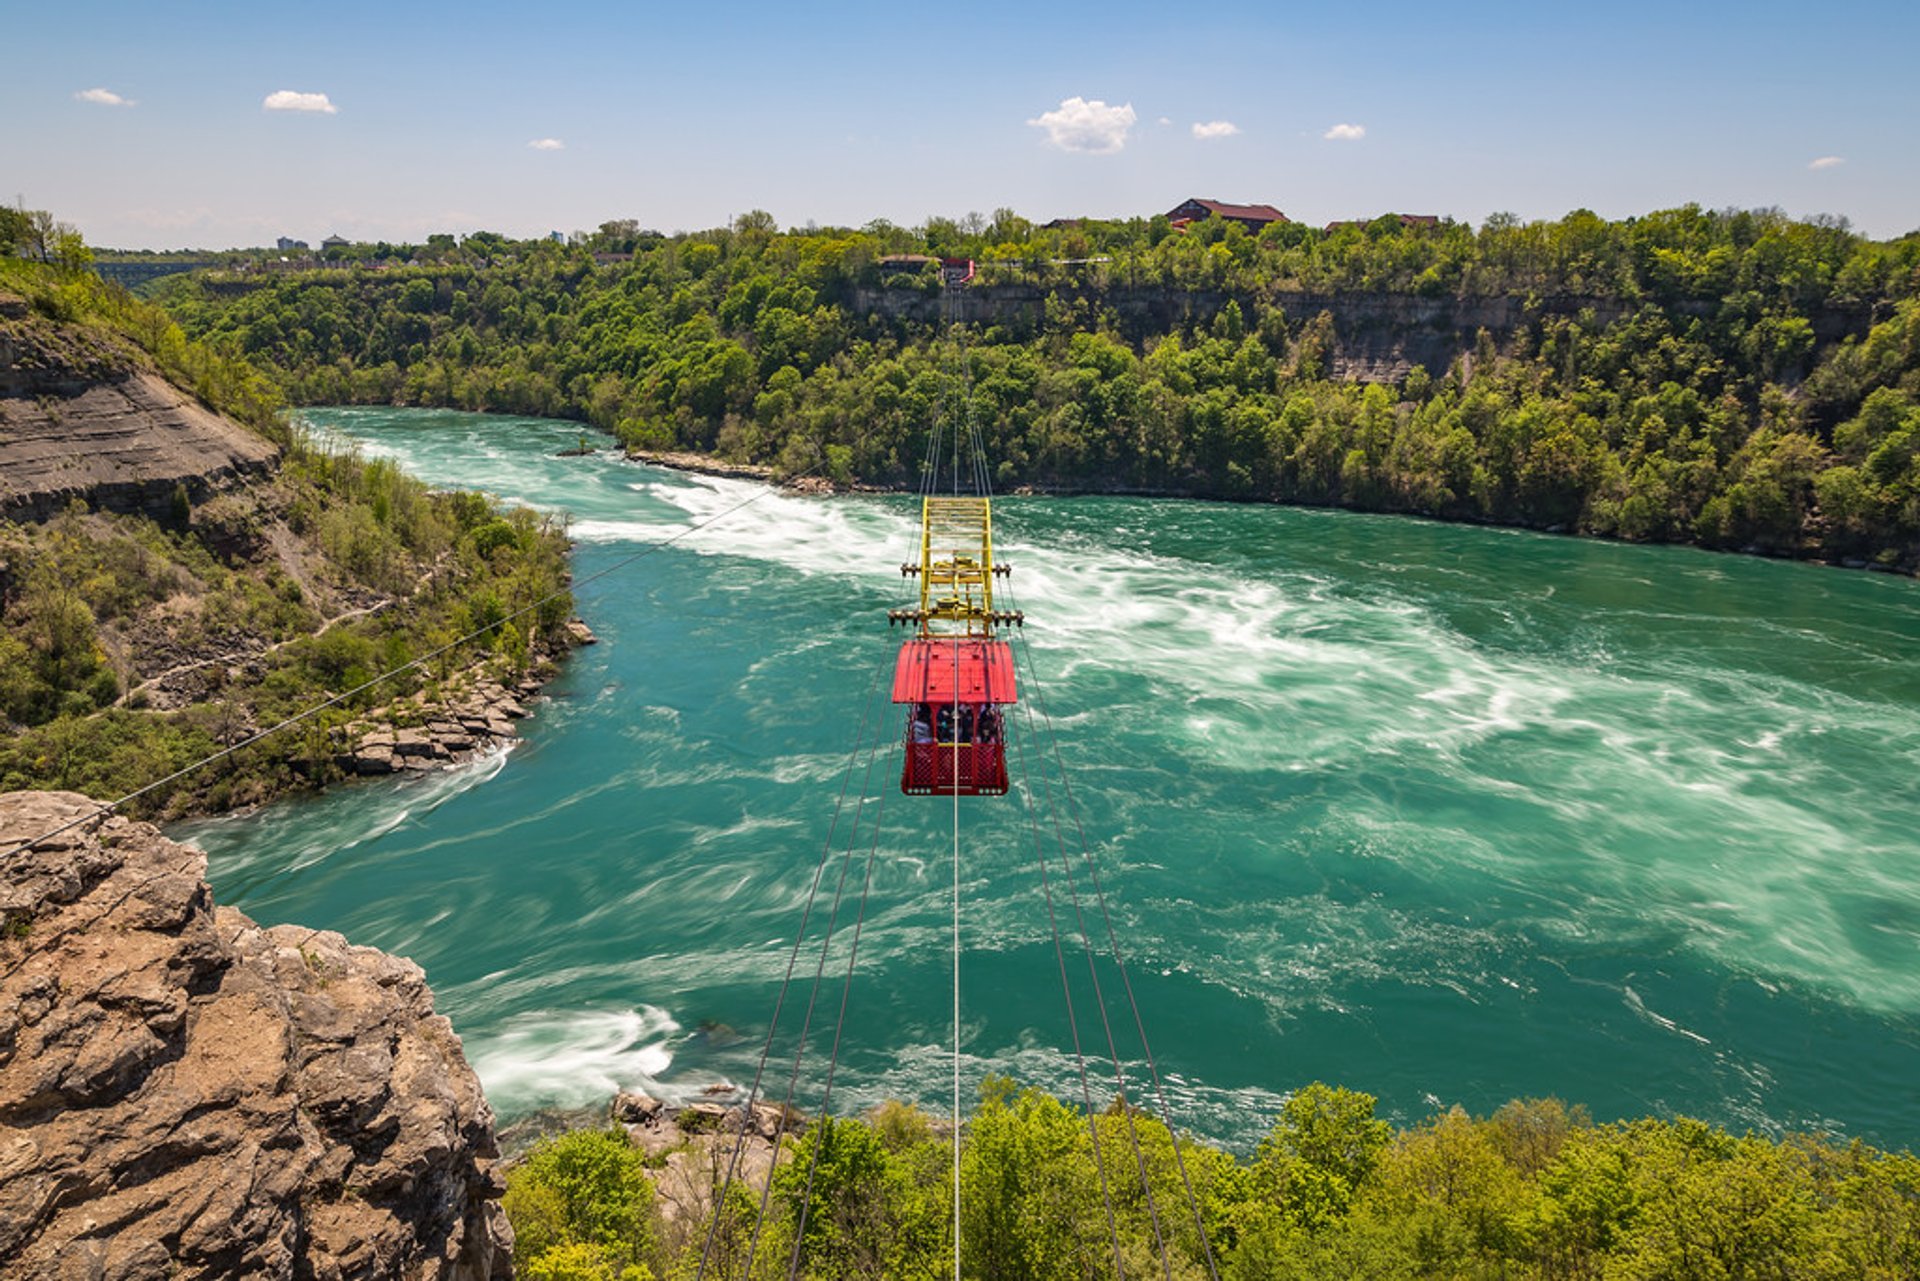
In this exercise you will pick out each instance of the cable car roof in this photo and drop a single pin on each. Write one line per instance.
(927, 669)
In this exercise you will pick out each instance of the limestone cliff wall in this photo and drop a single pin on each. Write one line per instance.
(185, 1094)
(80, 418)
(1377, 337)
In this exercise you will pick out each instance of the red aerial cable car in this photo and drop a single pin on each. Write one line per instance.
(955, 676)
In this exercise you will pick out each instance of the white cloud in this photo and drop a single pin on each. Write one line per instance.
(1215, 129)
(1828, 162)
(1092, 127)
(547, 144)
(1165, 120)
(288, 100)
(1345, 133)
(105, 97)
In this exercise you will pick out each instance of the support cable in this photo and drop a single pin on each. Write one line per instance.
(952, 307)
(1073, 1023)
(839, 1023)
(813, 996)
(793, 958)
(983, 481)
(956, 955)
(1100, 1003)
(1052, 740)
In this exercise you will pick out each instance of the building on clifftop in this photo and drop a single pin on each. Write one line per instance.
(1252, 217)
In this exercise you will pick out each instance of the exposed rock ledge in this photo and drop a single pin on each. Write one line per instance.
(83, 415)
(474, 715)
(185, 1094)
(125, 443)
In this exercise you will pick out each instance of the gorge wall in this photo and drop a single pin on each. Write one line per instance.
(80, 417)
(1377, 336)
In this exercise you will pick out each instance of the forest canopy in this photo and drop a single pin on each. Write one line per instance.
(1735, 378)
(1536, 1190)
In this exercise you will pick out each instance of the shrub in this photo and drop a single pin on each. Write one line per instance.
(585, 1200)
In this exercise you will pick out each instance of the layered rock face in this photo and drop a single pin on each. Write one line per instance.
(186, 1094)
(80, 419)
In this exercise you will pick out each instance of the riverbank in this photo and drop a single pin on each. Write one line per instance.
(132, 651)
(1331, 1190)
(1663, 405)
(706, 465)
(470, 715)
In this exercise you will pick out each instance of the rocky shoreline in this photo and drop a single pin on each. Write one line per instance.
(695, 1143)
(478, 715)
(703, 465)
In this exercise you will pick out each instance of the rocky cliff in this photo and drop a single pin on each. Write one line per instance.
(80, 417)
(186, 1094)
(1376, 337)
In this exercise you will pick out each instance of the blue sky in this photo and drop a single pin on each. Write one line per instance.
(683, 115)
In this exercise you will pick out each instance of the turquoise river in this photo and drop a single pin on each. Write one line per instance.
(1447, 814)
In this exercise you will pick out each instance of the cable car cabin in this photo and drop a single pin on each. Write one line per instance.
(956, 734)
(955, 676)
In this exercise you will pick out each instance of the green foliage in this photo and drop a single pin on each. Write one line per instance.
(860, 1208)
(1321, 1151)
(104, 600)
(1535, 1191)
(582, 1208)
(1029, 1193)
(581, 1261)
(1680, 376)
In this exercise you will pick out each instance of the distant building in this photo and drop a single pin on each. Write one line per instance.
(1061, 224)
(906, 262)
(335, 242)
(1406, 220)
(557, 237)
(287, 242)
(1252, 217)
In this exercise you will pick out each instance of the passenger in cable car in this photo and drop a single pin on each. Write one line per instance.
(947, 723)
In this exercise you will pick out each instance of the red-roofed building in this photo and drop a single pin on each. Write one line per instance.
(1252, 217)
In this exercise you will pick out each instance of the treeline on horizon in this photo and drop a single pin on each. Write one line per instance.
(1733, 378)
(1537, 1190)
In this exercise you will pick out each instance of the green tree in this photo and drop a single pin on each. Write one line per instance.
(1322, 1150)
(1031, 1206)
(584, 1198)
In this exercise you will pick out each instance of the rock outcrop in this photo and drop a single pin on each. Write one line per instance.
(81, 418)
(1376, 337)
(440, 733)
(693, 1145)
(186, 1094)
